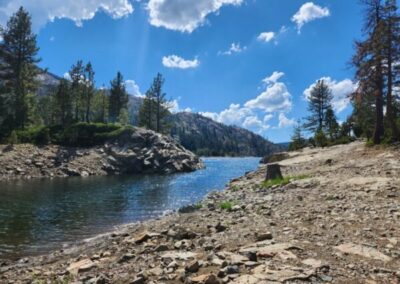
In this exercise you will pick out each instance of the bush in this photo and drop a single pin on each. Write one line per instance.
(13, 139)
(320, 139)
(226, 205)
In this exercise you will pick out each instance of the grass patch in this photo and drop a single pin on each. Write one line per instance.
(283, 181)
(226, 205)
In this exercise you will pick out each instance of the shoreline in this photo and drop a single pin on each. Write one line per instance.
(335, 226)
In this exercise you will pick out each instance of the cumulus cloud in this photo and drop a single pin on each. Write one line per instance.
(184, 15)
(274, 77)
(235, 48)
(285, 122)
(174, 107)
(253, 123)
(340, 92)
(309, 12)
(132, 88)
(43, 11)
(276, 96)
(174, 61)
(266, 36)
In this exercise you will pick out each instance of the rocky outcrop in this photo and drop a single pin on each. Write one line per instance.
(142, 152)
(338, 224)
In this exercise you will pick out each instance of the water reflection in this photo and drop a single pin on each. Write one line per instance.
(39, 215)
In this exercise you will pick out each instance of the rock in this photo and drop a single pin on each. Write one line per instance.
(205, 279)
(193, 267)
(220, 228)
(126, 257)
(263, 236)
(273, 172)
(81, 266)
(179, 255)
(364, 251)
(161, 248)
(141, 238)
(138, 280)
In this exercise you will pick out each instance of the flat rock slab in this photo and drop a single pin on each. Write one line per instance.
(179, 255)
(280, 250)
(364, 251)
(263, 274)
(81, 266)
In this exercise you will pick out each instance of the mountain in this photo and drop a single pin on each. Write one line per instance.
(207, 137)
(48, 83)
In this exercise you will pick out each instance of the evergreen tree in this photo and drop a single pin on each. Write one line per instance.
(77, 78)
(297, 139)
(154, 112)
(18, 69)
(146, 111)
(100, 106)
(331, 124)
(318, 104)
(89, 88)
(118, 98)
(369, 59)
(392, 55)
(63, 103)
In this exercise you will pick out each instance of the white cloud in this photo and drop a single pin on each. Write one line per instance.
(253, 123)
(268, 117)
(174, 107)
(274, 77)
(184, 15)
(266, 36)
(285, 122)
(132, 88)
(43, 11)
(174, 61)
(67, 76)
(235, 48)
(340, 92)
(309, 12)
(276, 96)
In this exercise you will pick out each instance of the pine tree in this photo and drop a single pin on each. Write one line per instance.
(146, 112)
(331, 124)
(318, 104)
(100, 106)
(89, 88)
(392, 55)
(77, 77)
(368, 61)
(63, 103)
(18, 69)
(297, 139)
(118, 98)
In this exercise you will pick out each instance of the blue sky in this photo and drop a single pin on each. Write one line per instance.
(243, 62)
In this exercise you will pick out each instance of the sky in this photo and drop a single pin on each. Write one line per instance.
(249, 63)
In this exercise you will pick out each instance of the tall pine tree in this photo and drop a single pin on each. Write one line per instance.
(118, 98)
(19, 67)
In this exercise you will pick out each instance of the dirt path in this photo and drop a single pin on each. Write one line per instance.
(341, 224)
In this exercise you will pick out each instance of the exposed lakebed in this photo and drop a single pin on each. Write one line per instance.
(39, 215)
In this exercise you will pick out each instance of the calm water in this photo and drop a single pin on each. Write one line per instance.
(39, 215)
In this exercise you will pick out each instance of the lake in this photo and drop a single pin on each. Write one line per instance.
(37, 216)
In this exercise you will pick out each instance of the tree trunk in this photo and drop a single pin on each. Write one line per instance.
(273, 172)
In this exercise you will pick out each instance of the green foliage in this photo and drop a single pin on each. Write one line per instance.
(226, 205)
(18, 69)
(298, 141)
(320, 139)
(283, 181)
(13, 139)
(319, 102)
(91, 134)
(118, 100)
(154, 112)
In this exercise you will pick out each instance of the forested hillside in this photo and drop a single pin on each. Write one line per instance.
(204, 136)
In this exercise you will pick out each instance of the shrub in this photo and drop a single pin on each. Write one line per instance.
(320, 139)
(13, 138)
(226, 205)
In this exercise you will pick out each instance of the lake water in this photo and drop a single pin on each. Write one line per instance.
(39, 215)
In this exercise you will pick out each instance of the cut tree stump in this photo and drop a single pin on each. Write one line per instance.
(273, 172)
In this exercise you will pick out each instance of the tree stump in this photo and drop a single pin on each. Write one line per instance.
(273, 172)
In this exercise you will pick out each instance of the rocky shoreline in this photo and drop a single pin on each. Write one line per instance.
(142, 152)
(336, 221)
